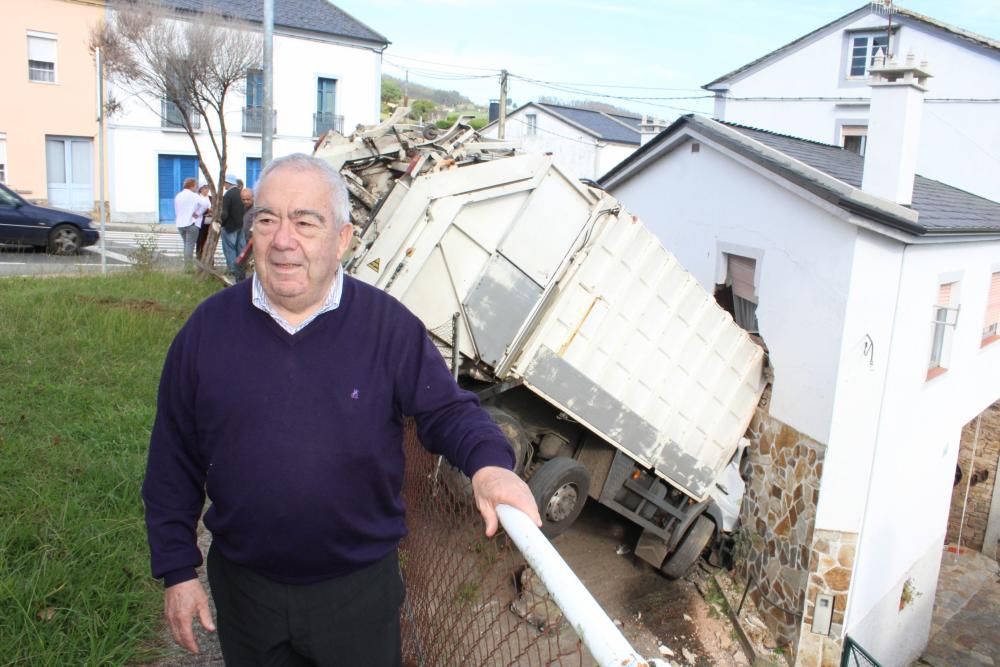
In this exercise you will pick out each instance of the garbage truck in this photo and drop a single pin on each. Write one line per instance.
(611, 371)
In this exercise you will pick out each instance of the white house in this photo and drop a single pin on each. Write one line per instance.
(815, 87)
(327, 74)
(877, 294)
(584, 143)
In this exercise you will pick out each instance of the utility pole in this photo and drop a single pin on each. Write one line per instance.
(503, 104)
(267, 128)
(406, 89)
(100, 155)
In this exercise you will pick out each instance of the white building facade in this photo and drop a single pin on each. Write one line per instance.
(878, 326)
(816, 88)
(583, 143)
(328, 77)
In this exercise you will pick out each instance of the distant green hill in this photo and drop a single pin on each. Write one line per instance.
(416, 91)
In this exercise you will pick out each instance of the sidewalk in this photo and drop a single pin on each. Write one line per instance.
(137, 227)
(965, 628)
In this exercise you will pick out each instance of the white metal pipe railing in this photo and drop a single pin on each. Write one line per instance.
(601, 636)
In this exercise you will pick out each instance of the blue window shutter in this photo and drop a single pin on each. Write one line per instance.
(253, 171)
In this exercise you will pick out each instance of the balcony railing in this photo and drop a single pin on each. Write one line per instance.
(253, 120)
(170, 116)
(323, 122)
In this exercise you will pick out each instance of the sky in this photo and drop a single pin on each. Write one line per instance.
(608, 49)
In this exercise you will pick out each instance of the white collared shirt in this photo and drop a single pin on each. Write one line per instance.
(332, 302)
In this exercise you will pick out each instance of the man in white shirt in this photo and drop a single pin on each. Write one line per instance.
(187, 205)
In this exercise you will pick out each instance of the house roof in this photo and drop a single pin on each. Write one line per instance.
(835, 175)
(312, 15)
(902, 15)
(619, 128)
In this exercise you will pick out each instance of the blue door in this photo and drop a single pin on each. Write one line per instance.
(173, 169)
(253, 171)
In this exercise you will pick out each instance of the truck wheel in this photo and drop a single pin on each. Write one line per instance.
(689, 550)
(459, 483)
(560, 488)
(514, 432)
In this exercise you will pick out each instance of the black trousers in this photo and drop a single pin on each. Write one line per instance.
(347, 621)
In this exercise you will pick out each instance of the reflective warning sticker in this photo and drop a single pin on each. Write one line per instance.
(375, 264)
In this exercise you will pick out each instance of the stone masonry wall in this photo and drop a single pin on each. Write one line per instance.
(983, 473)
(783, 470)
(831, 562)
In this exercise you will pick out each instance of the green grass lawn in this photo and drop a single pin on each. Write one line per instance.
(80, 360)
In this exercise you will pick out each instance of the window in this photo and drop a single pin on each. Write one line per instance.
(532, 123)
(944, 320)
(253, 112)
(255, 88)
(854, 138)
(862, 53)
(172, 116)
(738, 295)
(326, 106)
(991, 323)
(41, 57)
(3, 158)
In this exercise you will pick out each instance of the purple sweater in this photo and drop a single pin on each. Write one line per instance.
(298, 439)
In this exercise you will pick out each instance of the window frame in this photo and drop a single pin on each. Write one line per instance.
(991, 317)
(531, 121)
(52, 74)
(870, 37)
(943, 326)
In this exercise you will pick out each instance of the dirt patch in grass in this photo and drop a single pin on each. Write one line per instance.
(132, 305)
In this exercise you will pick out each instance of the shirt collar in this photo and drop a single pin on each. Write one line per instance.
(332, 302)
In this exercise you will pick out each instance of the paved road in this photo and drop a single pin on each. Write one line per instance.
(121, 246)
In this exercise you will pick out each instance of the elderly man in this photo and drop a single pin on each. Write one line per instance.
(295, 428)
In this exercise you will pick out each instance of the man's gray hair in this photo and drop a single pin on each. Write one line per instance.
(340, 205)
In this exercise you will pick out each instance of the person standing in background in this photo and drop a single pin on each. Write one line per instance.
(186, 203)
(206, 220)
(232, 226)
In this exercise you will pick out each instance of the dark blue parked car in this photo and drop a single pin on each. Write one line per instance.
(61, 232)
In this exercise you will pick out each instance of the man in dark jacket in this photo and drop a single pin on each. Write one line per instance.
(294, 429)
(232, 226)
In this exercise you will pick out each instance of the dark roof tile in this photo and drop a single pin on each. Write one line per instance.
(608, 127)
(941, 206)
(312, 15)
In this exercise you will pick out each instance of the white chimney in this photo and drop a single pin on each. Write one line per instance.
(649, 127)
(893, 142)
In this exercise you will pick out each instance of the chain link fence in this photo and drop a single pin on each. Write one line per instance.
(470, 600)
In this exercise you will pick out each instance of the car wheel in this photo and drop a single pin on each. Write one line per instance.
(560, 488)
(65, 240)
(687, 553)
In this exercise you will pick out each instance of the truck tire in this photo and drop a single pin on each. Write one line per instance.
(457, 481)
(689, 550)
(560, 488)
(514, 431)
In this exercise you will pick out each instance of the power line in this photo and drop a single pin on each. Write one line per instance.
(443, 76)
(626, 98)
(432, 62)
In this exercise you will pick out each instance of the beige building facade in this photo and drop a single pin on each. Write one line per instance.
(48, 122)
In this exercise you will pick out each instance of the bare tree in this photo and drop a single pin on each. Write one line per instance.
(183, 66)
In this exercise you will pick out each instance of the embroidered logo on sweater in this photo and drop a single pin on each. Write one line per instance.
(355, 394)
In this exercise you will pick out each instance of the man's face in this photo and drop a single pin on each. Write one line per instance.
(297, 248)
(247, 197)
